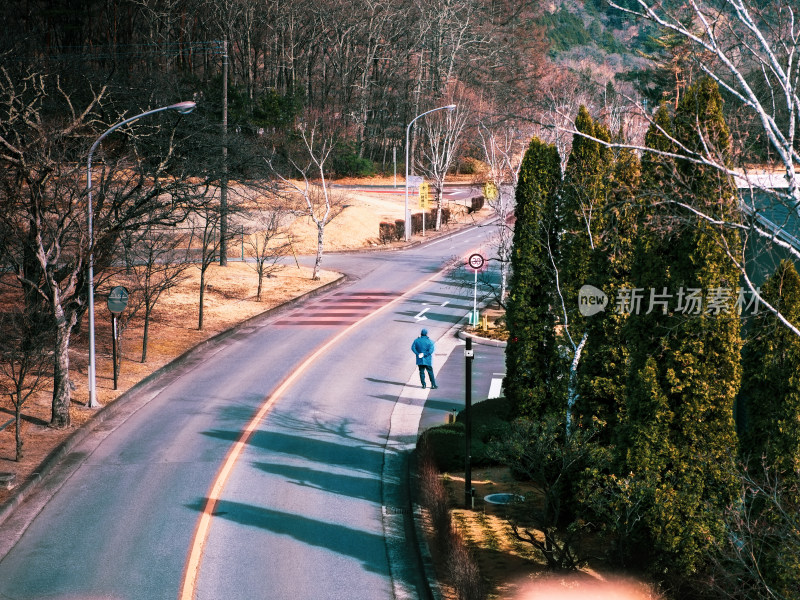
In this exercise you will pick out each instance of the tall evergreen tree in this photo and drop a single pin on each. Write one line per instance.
(531, 354)
(771, 377)
(678, 432)
(603, 367)
(581, 210)
(771, 438)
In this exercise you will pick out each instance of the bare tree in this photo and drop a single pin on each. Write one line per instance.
(43, 223)
(757, 560)
(443, 131)
(23, 361)
(320, 203)
(44, 138)
(159, 258)
(502, 146)
(267, 244)
(208, 234)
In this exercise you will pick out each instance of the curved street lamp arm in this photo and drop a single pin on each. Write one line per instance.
(181, 107)
(408, 134)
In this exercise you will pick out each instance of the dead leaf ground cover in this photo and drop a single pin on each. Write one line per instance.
(511, 569)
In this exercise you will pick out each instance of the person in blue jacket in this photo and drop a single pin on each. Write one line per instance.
(423, 349)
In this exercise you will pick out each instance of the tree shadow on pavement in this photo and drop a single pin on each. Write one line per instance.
(363, 488)
(368, 548)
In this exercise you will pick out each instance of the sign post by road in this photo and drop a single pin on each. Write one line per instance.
(469, 495)
(475, 262)
(490, 191)
(117, 301)
(424, 202)
(412, 181)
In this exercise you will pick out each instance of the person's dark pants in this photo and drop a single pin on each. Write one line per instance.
(422, 369)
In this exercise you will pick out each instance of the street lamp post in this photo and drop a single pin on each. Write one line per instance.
(408, 132)
(181, 107)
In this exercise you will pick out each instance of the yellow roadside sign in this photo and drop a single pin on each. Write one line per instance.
(424, 195)
(490, 190)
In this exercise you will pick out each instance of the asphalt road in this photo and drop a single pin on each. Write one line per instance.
(269, 466)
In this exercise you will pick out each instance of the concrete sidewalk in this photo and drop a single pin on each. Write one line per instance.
(488, 370)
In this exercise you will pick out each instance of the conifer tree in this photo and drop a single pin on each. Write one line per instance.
(531, 353)
(678, 434)
(771, 378)
(603, 368)
(581, 208)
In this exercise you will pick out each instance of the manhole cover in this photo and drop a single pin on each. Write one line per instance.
(395, 510)
(503, 498)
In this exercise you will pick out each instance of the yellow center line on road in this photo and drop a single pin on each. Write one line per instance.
(191, 570)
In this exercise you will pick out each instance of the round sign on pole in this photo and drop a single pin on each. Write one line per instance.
(117, 299)
(475, 261)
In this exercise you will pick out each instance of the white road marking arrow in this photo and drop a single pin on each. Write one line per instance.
(419, 316)
(495, 388)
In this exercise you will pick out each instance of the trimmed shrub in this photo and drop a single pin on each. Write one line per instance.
(447, 446)
(447, 443)
(445, 216)
(399, 229)
(432, 216)
(476, 204)
(386, 232)
(416, 223)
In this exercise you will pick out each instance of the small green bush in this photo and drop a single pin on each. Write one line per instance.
(448, 442)
(345, 162)
(447, 446)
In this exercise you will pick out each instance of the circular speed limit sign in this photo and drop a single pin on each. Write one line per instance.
(475, 261)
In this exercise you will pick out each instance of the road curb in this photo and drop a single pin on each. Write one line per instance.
(482, 341)
(31, 484)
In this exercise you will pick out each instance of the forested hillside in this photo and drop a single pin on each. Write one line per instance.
(369, 70)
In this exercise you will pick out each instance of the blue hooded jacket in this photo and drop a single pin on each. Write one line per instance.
(424, 346)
